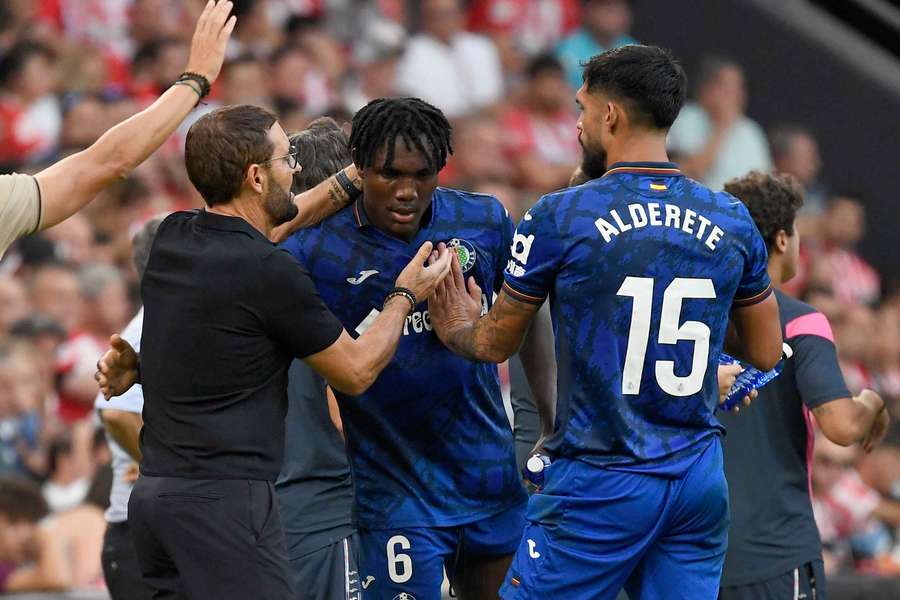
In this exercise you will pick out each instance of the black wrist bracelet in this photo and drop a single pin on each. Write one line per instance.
(191, 84)
(351, 190)
(202, 81)
(406, 293)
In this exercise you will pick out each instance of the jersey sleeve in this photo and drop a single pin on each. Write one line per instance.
(536, 253)
(507, 230)
(20, 208)
(818, 375)
(296, 317)
(755, 285)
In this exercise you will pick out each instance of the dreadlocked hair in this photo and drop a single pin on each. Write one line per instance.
(419, 124)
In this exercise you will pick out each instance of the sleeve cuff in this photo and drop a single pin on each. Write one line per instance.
(755, 299)
(526, 297)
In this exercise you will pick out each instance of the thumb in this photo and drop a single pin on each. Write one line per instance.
(423, 253)
(118, 343)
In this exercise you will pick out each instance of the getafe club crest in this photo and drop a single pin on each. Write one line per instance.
(465, 251)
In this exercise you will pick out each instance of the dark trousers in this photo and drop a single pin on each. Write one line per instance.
(198, 539)
(120, 565)
(806, 582)
(329, 573)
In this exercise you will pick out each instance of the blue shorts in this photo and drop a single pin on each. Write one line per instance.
(593, 531)
(411, 560)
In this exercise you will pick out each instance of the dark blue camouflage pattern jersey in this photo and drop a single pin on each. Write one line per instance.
(429, 443)
(642, 266)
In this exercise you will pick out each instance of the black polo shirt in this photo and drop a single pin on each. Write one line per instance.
(225, 312)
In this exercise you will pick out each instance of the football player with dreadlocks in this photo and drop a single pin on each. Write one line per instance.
(430, 445)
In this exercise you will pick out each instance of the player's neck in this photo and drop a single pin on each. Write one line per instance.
(775, 270)
(250, 211)
(638, 148)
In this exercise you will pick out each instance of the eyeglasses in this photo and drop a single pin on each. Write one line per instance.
(292, 159)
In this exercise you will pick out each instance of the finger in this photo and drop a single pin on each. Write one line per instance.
(423, 253)
(226, 31)
(456, 272)
(220, 15)
(736, 409)
(747, 401)
(203, 19)
(474, 290)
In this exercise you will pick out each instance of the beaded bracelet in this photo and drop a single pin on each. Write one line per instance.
(406, 293)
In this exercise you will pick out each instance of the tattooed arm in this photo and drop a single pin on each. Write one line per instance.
(455, 308)
(317, 204)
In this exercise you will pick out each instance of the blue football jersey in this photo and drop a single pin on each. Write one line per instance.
(643, 267)
(429, 443)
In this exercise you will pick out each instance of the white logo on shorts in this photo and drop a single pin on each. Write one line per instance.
(404, 596)
(531, 551)
(368, 582)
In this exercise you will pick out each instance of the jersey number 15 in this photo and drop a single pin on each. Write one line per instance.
(670, 332)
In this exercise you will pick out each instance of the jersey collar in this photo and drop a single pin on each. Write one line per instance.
(359, 213)
(659, 169)
(211, 220)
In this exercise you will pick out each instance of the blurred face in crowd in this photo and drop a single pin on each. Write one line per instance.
(591, 130)
(397, 196)
(111, 308)
(74, 238)
(36, 79)
(844, 222)
(244, 82)
(289, 73)
(549, 91)
(801, 159)
(830, 463)
(887, 338)
(13, 303)
(21, 383)
(54, 292)
(84, 122)
(479, 152)
(442, 18)
(277, 197)
(16, 539)
(724, 92)
(607, 19)
(855, 332)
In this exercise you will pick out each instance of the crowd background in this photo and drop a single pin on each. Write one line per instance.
(504, 71)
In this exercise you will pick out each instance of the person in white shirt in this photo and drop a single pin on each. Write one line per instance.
(457, 71)
(712, 139)
(122, 420)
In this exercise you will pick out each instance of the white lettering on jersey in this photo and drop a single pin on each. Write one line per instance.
(521, 247)
(639, 216)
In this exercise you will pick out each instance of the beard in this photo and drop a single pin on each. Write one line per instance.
(593, 161)
(279, 204)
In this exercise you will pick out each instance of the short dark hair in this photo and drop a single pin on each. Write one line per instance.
(544, 63)
(782, 135)
(648, 78)
(21, 500)
(384, 120)
(222, 144)
(15, 59)
(711, 65)
(323, 149)
(772, 200)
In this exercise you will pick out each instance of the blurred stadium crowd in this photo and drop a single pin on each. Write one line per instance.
(505, 71)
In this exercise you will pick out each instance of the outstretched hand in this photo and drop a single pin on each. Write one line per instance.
(455, 303)
(421, 279)
(117, 371)
(211, 36)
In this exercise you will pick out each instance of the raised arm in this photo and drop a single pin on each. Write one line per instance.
(455, 308)
(316, 204)
(70, 184)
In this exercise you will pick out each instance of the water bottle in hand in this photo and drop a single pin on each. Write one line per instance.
(750, 378)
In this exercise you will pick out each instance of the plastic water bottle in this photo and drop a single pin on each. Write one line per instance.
(534, 469)
(751, 378)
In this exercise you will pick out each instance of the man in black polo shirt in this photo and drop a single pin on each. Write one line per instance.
(225, 312)
(774, 551)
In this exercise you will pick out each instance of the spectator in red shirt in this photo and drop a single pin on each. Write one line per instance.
(853, 279)
(541, 135)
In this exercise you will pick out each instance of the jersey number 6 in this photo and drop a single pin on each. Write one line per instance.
(395, 559)
(670, 332)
